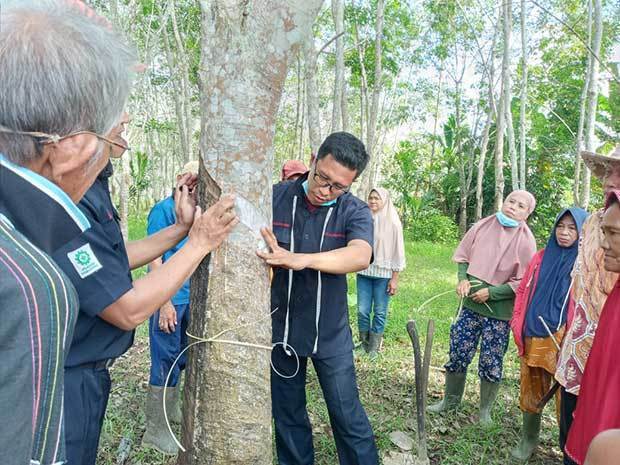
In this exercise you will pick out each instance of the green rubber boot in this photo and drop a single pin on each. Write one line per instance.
(362, 347)
(488, 393)
(374, 343)
(529, 436)
(453, 393)
(157, 435)
(173, 404)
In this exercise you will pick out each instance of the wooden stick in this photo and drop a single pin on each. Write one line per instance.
(421, 382)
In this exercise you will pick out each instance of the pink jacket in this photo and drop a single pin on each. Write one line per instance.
(524, 295)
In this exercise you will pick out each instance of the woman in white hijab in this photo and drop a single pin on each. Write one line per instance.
(377, 283)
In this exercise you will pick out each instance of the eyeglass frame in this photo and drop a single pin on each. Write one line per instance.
(55, 138)
(332, 187)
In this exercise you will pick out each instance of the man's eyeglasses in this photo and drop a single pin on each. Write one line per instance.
(323, 181)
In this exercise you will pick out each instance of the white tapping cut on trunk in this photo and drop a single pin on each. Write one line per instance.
(246, 50)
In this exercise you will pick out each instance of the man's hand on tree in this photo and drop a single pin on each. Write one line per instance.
(279, 256)
(185, 200)
(212, 227)
(167, 318)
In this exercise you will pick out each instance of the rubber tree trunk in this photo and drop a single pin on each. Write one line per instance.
(491, 112)
(523, 108)
(592, 96)
(501, 110)
(246, 48)
(338, 15)
(312, 94)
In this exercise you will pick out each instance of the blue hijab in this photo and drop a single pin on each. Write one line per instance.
(553, 281)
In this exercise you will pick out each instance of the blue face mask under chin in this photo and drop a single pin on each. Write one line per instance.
(506, 221)
(326, 204)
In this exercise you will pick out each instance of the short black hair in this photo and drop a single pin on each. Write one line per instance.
(346, 149)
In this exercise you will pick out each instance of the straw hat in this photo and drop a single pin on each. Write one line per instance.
(600, 164)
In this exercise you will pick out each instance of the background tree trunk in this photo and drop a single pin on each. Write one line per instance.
(344, 105)
(507, 92)
(338, 14)
(312, 95)
(227, 414)
(491, 114)
(123, 195)
(592, 96)
(501, 111)
(372, 107)
(377, 84)
(582, 115)
(522, 129)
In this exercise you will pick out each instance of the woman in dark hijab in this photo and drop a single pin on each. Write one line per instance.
(542, 308)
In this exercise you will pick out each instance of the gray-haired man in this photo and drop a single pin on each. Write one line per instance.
(65, 80)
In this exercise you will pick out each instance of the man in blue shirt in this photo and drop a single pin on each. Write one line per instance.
(321, 232)
(167, 337)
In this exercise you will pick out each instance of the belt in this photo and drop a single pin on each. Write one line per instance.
(98, 365)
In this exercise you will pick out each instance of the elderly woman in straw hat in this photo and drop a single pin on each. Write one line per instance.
(591, 285)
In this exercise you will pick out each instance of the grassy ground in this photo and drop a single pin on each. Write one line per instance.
(386, 385)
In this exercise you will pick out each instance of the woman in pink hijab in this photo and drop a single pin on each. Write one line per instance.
(377, 283)
(492, 258)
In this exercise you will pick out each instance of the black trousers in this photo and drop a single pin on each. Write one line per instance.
(86, 397)
(355, 441)
(567, 407)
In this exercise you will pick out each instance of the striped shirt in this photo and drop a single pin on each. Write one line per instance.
(38, 306)
(375, 271)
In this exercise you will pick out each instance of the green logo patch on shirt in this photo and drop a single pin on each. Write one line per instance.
(84, 261)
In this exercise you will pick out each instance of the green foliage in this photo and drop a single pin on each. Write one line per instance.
(400, 29)
(431, 225)
(140, 170)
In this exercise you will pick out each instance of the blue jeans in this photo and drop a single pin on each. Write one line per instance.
(465, 334)
(166, 347)
(355, 442)
(372, 297)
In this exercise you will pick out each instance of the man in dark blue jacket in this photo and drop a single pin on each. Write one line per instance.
(321, 232)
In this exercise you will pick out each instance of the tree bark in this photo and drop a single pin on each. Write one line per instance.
(582, 115)
(501, 112)
(491, 113)
(312, 95)
(512, 148)
(177, 96)
(372, 108)
(338, 14)
(186, 87)
(345, 105)
(507, 91)
(377, 84)
(592, 96)
(246, 48)
(436, 118)
(523, 110)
